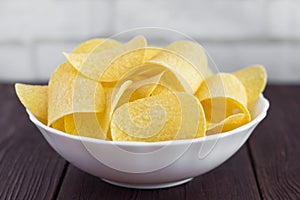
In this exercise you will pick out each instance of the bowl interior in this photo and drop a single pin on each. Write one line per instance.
(258, 114)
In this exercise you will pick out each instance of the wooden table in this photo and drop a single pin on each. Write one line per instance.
(267, 166)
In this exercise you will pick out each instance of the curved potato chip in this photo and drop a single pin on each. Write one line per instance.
(188, 59)
(193, 123)
(150, 52)
(70, 92)
(159, 118)
(85, 124)
(221, 96)
(153, 118)
(59, 124)
(96, 45)
(151, 89)
(229, 123)
(113, 95)
(146, 78)
(254, 78)
(35, 99)
(219, 108)
(111, 64)
(171, 81)
(222, 85)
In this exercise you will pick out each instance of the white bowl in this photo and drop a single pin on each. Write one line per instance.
(150, 165)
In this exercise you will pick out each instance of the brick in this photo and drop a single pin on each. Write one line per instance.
(15, 63)
(197, 18)
(33, 19)
(101, 18)
(279, 58)
(48, 55)
(284, 19)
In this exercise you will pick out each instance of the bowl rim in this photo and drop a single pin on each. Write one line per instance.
(256, 120)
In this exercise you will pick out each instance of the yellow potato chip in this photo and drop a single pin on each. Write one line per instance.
(219, 108)
(222, 96)
(117, 94)
(162, 82)
(150, 52)
(146, 78)
(254, 78)
(96, 45)
(150, 119)
(142, 86)
(113, 95)
(158, 118)
(173, 82)
(110, 65)
(222, 85)
(70, 92)
(59, 124)
(188, 59)
(229, 123)
(142, 92)
(35, 99)
(85, 124)
(193, 123)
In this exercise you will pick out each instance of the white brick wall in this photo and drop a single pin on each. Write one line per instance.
(48, 56)
(281, 59)
(206, 19)
(236, 33)
(284, 19)
(15, 62)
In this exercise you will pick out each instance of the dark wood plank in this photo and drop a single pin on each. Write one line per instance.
(29, 168)
(275, 145)
(80, 185)
(232, 180)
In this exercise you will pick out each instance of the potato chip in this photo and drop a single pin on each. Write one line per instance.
(117, 94)
(35, 99)
(150, 52)
(222, 96)
(172, 81)
(222, 85)
(188, 59)
(96, 45)
(113, 95)
(254, 78)
(160, 83)
(70, 92)
(146, 78)
(229, 123)
(154, 118)
(159, 118)
(219, 108)
(59, 124)
(85, 124)
(110, 65)
(193, 123)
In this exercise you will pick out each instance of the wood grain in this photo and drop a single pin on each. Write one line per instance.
(29, 168)
(232, 180)
(79, 185)
(275, 145)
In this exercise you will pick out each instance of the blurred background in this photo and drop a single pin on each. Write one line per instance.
(236, 33)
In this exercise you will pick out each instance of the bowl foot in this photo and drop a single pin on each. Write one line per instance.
(148, 186)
